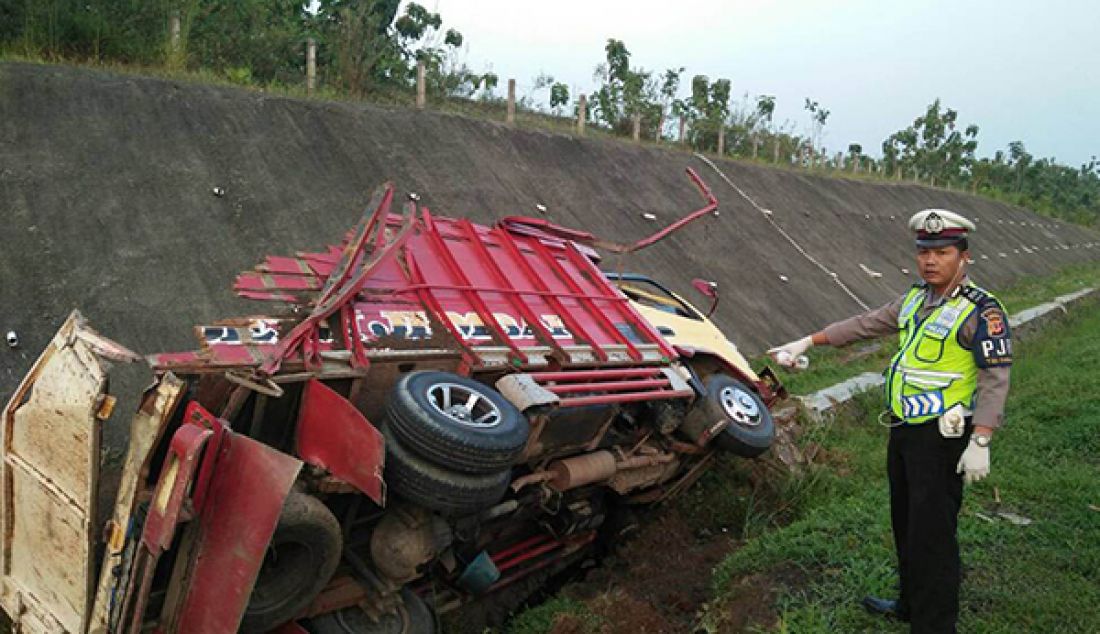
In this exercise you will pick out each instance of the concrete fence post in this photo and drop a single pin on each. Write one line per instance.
(510, 117)
(174, 37)
(775, 150)
(421, 86)
(683, 128)
(755, 147)
(311, 66)
(839, 162)
(582, 113)
(722, 140)
(637, 124)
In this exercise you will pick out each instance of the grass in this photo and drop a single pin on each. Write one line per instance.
(1041, 577)
(831, 365)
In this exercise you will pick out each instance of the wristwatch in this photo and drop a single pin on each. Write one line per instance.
(982, 440)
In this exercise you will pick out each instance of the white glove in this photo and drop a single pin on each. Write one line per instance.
(787, 354)
(974, 463)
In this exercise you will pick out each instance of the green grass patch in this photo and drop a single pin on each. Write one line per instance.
(542, 618)
(1044, 576)
(829, 366)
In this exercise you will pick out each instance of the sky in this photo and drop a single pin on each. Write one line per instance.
(1020, 70)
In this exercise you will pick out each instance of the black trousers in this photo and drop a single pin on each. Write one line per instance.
(925, 496)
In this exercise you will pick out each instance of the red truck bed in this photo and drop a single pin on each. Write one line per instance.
(523, 294)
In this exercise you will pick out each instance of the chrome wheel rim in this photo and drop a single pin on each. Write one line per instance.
(740, 406)
(464, 406)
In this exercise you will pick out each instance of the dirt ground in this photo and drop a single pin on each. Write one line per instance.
(659, 581)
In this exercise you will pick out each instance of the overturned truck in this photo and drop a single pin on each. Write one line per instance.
(443, 410)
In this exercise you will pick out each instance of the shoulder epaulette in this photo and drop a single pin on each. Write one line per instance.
(975, 294)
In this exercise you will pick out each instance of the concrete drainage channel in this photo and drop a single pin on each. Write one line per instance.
(824, 403)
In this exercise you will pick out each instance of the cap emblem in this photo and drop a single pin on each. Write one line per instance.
(933, 223)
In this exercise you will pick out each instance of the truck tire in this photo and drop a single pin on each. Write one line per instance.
(438, 488)
(457, 422)
(300, 560)
(750, 431)
(414, 617)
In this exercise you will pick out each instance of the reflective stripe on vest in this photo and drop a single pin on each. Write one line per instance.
(931, 372)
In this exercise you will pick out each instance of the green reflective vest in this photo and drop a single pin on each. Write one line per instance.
(931, 372)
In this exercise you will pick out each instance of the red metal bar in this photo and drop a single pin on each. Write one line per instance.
(584, 375)
(505, 291)
(515, 548)
(513, 296)
(621, 303)
(530, 554)
(588, 304)
(603, 399)
(456, 272)
(333, 298)
(612, 386)
(581, 542)
(469, 358)
(509, 244)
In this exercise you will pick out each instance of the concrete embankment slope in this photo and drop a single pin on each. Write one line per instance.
(106, 198)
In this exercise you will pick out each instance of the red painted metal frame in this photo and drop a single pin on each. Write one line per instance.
(334, 435)
(632, 397)
(587, 375)
(610, 386)
(341, 287)
(509, 243)
(514, 297)
(455, 271)
(598, 315)
(541, 275)
(621, 385)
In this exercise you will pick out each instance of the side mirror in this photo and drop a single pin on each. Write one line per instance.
(708, 289)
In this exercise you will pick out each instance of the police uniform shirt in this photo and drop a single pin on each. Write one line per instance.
(985, 332)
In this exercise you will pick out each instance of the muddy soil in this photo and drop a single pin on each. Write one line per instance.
(657, 582)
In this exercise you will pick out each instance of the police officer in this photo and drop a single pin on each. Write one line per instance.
(946, 389)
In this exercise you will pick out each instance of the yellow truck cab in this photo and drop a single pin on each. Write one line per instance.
(680, 323)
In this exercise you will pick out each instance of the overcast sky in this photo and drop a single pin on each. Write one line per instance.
(1023, 70)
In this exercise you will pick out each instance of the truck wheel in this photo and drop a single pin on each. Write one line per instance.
(457, 422)
(751, 430)
(438, 488)
(413, 617)
(300, 560)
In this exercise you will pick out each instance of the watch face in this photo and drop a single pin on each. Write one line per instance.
(981, 441)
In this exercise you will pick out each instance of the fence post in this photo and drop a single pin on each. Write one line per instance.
(839, 163)
(775, 150)
(174, 30)
(582, 114)
(755, 147)
(637, 121)
(722, 140)
(510, 117)
(683, 128)
(421, 86)
(311, 66)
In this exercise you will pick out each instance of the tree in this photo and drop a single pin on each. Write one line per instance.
(559, 96)
(855, 155)
(624, 91)
(934, 146)
(765, 108)
(708, 110)
(818, 117)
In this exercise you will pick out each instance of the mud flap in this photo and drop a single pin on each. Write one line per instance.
(50, 444)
